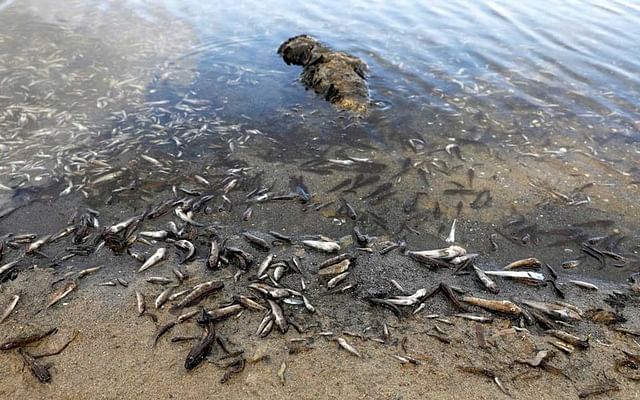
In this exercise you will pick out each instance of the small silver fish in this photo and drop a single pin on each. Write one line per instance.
(345, 345)
(328, 247)
(10, 307)
(140, 302)
(452, 233)
(163, 297)
(158, 256)
(337, 279)
(584, 285)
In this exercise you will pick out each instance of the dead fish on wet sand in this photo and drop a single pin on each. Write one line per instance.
(563, 312)
(203, 347)
(24, 340)
(525, 263)
(10, 307)
(140, 304)
(158, 256)
(38, 370)
(198, 293)
(584, 285)
(536, 276)
(326, 246)
(503, 306)
(62, 293)
(345, 345)
(438, 254)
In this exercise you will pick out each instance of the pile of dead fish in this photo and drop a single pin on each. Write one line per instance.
(264, 291)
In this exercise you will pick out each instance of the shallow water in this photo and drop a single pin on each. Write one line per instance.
(535, 105)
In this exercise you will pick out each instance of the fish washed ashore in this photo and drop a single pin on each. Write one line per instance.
(219, 280)
(161, 239)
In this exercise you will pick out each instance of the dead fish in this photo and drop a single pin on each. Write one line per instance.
(308, 305)
(163, 329)
(337, 279)
(280, 237)
(525, 263)
(107, 177)
(179, 294)
(570, 264)
(24, 340)
(249, 303)
(407, 300)
(274, 293)
(117, 228)
(279, 271)
(278, 315)
(536, 276)
(554, 310)
(474, 317)
(140, 303)
(335, 269)
(328, 247)
(503, 306)
(198, 293)
(203, 347)
(7, 211)
(33, 247)
(214, 255)
(264, 265)
(569, 338)
(154, 234)
(189, 247)
(136, 255)
(566, 347)
(186, 217)
(246, 215)
(599, 389)
(351, 211)
(40, 371)
(452, 233)
(9, 266)
(159, 280)
(179, 274)
(158, 256)
(10, 307)
(444, 254)
(334, 260)
(255, 240)
(163, 297)
(62, 293)
(345, 345)
(584, 285)
(88, 271)
(486, 281)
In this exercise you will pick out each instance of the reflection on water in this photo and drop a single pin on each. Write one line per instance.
(536, 102)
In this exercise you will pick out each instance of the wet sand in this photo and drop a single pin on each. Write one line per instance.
(153, 94)
(114, 357)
